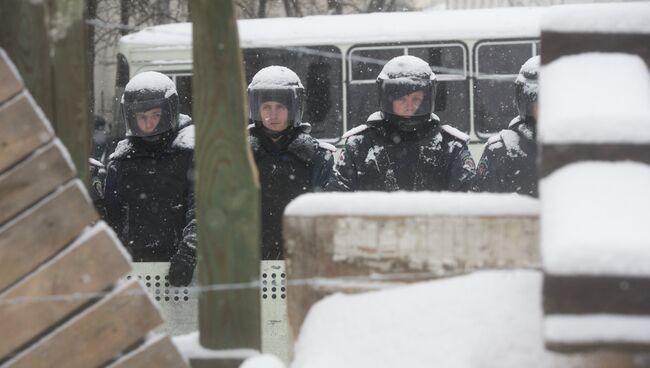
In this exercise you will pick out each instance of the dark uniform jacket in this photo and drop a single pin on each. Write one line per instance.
(296, 164)
(149, 196)
(509, 159)
(379, 157)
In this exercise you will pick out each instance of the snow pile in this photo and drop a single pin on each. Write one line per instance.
(583, 329)
(151, 81)
(485, 319)
(263, 361)
(598, 18)
(273, 76)
(595, 98)
(412, 204)
(594, 219)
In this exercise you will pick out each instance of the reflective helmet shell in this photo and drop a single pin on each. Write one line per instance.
(526, 88)
(146, 91)
(279, 84)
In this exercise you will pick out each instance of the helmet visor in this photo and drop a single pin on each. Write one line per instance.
(406, 97)
(147, 118)
(290, 98)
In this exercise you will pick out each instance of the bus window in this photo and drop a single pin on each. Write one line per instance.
(184, 88)
(365, 64)
(452, 97)
(319, 69)
(497, 65)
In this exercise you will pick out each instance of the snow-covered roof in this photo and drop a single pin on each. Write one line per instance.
(599, 18)
(359, 28)
(594, 219)
(412, 204)
(595, 98)
(485, 319)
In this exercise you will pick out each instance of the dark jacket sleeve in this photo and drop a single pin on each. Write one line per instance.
(323, 170)
(462, 170)
(344, 174)
(488, 173)
(112, 205)
(187, 244)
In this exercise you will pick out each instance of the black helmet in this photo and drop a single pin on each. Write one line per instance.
(404, 75)
(279, 84)
(146, 91)
(526, 88)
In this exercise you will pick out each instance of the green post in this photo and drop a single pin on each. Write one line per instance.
(227, 189)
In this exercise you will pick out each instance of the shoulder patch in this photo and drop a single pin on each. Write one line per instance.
(327, 146)
(455, 132)
(355, 130)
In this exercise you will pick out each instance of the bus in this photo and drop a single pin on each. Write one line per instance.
(476, 55)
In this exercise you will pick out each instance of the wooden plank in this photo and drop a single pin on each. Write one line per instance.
(98, 334)
(23, 128)
(72, 79)
(10, 81)
(558, 44)
(228, 211)
(159, 352)
(555, 156)
(24, 36)
(43, 231)
(33, 178)
(94, 262)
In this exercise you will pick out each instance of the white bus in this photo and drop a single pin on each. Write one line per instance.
(476, 55)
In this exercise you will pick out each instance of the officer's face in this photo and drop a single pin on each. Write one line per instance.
(148, 120)
(406, 106)
(275, 116)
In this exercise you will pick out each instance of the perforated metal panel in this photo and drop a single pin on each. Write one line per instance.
(178, 305)
(276, 334)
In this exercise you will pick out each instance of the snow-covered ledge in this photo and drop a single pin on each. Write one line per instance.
(352, 241)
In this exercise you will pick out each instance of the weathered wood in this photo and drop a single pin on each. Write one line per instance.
(554, 156)
(92, 263)
(10, 81)
(98, 334)
(24, 36)
(402, 249)
(159, 352)
(592, 294)
(40, 233)
(72, 80)
(227, 192)
(33, 178)
(23, 128)
(558, 44)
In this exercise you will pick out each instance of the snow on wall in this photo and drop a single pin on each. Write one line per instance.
(595, 98)
(599, 18)
(594, 219)
(412, 204)
(585, 329)
(485, 319)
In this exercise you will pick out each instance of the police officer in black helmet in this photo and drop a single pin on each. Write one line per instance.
(149, 191)
(509, 159)
(290, 162)
(404, 146)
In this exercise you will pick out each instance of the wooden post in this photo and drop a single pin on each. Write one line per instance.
(227, 189)
(71, 74)
(47, 42)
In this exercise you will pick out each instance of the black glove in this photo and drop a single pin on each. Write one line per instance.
(181, 270)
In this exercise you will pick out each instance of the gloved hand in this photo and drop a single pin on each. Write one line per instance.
(181, 270)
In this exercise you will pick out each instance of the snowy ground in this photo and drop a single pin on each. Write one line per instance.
(484, 319)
